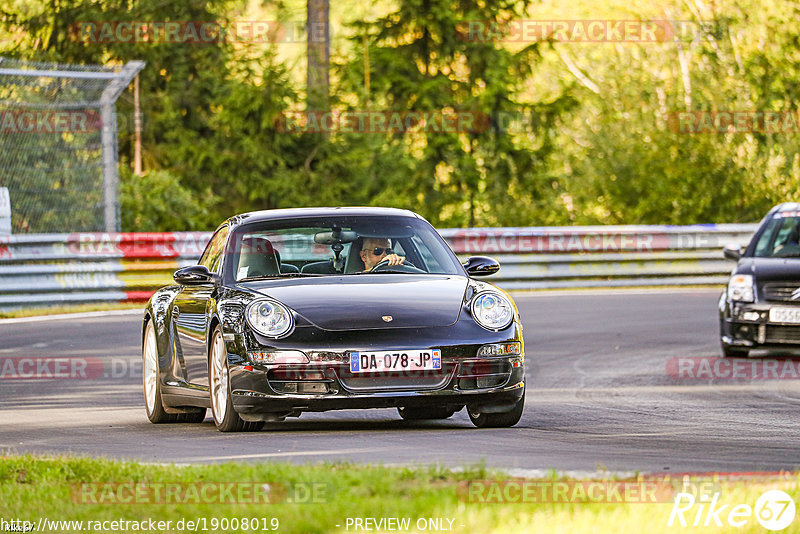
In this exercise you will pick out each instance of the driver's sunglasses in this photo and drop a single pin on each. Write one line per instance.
(378, 251)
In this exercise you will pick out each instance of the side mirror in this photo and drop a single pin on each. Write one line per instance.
(194, 274)
(732, 251)
(481, 266)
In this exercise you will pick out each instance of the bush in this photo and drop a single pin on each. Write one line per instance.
(157, 202)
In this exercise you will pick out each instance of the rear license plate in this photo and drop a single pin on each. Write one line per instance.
(784, 315)
(395, 360)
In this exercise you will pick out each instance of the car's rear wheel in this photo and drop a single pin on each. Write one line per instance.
(427, 412)
(225, 417)
(734, 352)
(497, 420)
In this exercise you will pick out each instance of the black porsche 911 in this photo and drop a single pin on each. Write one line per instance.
(320, 309)
(761, 307)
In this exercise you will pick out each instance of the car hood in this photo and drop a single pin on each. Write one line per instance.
(358, 302)
(771, 269)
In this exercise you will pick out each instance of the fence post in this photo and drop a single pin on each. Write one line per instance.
(109, 142)
(5, 211)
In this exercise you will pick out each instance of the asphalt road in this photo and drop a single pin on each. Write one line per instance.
(599, 396)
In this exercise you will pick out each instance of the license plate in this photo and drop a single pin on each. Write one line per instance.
(784, 315)
(395, 360)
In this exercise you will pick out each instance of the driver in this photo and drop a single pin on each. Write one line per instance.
(375, 250)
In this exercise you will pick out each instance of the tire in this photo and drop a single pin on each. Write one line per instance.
(734, 352)
(498, 420)
(150, 381)
(219, 390)
(152, 386)
(419, 414)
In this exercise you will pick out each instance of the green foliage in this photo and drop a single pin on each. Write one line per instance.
(629, 165)
(158, 202)
(555, 148)
(422, 60)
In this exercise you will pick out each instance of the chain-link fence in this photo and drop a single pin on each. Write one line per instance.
(58, 144)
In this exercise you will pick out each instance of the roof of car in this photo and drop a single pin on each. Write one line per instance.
(788, 206)
(295, 213)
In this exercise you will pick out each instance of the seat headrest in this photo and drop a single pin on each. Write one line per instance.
(257, 245)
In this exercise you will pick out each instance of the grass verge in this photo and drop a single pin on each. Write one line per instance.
(320, 498)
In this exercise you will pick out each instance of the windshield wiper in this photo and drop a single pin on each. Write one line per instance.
(282, 275)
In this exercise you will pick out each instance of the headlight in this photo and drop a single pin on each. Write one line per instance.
(492, 310)
(270, 318)
(741, 288)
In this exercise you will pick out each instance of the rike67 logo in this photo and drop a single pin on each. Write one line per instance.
(774, 510)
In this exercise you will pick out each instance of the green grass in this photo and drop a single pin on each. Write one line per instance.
(74, 308)
(34, 487)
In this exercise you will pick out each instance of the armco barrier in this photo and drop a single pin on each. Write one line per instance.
(46, 269)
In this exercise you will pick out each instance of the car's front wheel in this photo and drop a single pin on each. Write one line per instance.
(497, 420)
(428, 412)
(152, 386)
(225, 417)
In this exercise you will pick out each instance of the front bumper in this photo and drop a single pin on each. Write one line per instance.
(748, 325)
(264, 391)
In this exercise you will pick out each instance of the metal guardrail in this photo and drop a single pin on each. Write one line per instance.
(47, 269)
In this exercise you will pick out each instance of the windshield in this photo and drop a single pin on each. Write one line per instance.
(780, 237)
(324, 246)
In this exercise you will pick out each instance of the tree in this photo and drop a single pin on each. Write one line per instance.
(423, 58)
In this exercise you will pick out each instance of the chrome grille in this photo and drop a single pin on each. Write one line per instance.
(780, 292)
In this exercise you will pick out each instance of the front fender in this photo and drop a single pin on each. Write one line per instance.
(159, 311)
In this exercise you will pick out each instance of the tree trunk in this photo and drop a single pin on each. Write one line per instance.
(318, 42)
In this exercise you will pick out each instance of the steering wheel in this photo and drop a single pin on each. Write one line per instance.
(406, 267)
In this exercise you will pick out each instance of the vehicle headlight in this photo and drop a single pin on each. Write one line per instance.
(492, 310)
(270, 318)
(741, 288)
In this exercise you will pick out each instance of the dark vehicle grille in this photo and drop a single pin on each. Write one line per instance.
(783, 334)
(780, 292)
(299, 381)
(483, 374)
(396, 380)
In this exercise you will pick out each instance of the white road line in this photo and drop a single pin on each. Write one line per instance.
(756, 385)
(67, 316)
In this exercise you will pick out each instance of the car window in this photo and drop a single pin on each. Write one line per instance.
(780, 238)
(213, 254)
(308, 245)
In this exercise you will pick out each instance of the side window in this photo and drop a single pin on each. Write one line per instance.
(784, 234)
(213, 253)
(763, 247)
